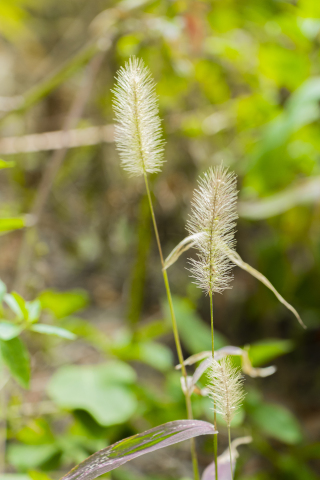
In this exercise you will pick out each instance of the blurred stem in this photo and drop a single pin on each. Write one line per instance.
(215, 437)
(138, 274)
(229, 438)
(175, 331)
(3, 425)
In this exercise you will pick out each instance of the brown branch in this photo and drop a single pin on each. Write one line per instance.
(39, 142)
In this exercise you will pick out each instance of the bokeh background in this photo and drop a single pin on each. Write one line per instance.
(239, 82)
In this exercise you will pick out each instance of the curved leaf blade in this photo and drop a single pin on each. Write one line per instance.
(121, 452)
(235, 258)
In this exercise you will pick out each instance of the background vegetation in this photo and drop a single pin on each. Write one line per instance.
(238, 81)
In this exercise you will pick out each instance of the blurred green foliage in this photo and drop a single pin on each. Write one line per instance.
(238, 81)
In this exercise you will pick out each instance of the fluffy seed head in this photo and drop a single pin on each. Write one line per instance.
(138, 133)
(226, 388)
(213, 218)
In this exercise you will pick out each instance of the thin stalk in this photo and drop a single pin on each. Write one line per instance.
(215, 437)
(175, 330)
(229, 437)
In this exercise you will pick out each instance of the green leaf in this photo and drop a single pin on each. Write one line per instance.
(16, 357)
(278, 422)
(62, 304)
(22, 304)
(266, 350)
(14, 223)
(34, 310)
(14, 305)
(35, 431)
(154, 354)
(4, 164)
(102, 390)
(9, 330)
(25, 457)
(151, 330)
(195, 334)
(53, 330)
(36, 475)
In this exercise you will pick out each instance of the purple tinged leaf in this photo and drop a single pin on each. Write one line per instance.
(121, 452)
(224, 470)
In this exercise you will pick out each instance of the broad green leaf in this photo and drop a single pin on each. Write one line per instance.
(25, 457)
(121, 452)
(14, 223)
(266, 350)
(16, 357)
(9, 330)
(278, 422)
(53, 330)
(102, 390)
(62, 304)
(4, 164)
(194, 333)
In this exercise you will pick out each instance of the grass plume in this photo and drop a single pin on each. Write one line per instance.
(213, 218)
(227, 392)
(138, 133)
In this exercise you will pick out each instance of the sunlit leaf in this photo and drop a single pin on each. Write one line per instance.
(53, 330)
(16, 357)
(121, 452)
(4, 164)
(14, 223)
